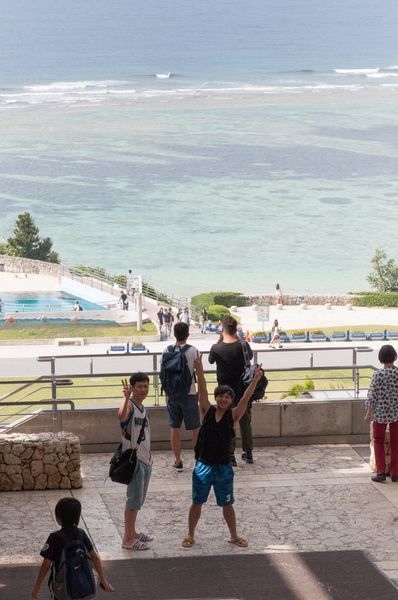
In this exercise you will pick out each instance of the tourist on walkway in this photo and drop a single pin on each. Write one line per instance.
(204, 320)
(275, 335)
(184, 316)
(132, 416)
(67, 515)
(168, 321)
(181, 405)
(382, 408)
(160, 316)
(278, 295)
(124, 300)
(229, 358)
(212, 453)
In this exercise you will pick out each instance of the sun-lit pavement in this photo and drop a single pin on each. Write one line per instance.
(297, 498)
(294, 498)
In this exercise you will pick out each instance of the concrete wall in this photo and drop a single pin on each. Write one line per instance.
(274, 423)
(76, 288)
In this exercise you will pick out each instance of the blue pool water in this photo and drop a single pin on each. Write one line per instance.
(42, 302)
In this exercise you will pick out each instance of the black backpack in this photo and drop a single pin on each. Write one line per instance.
(175, 375)
(74, 577)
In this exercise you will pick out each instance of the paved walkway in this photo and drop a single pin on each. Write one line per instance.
(292, 499)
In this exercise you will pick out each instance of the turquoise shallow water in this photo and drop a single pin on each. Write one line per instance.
(205, 148)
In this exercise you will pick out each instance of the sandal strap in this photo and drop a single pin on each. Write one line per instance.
(139, 545)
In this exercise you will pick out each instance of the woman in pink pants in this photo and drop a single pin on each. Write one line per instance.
(382, 408)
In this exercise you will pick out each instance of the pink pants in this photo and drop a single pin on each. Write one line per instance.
(379, 430)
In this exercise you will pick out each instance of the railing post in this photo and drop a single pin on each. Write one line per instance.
(354, 362)
(139, 310)
(155, 378)
(54, 396)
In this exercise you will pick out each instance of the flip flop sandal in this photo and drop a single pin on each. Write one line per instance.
(188, 541)
(137, 545)
(145, 538)
(240, 542)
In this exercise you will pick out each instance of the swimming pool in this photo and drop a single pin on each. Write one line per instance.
(42, 302)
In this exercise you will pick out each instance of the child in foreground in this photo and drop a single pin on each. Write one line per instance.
(212, 453)
(67, 514)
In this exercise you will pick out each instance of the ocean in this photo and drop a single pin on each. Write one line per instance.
(205, 145)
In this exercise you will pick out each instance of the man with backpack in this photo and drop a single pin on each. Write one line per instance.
(70, 555)
(228, 355)
(177, 379)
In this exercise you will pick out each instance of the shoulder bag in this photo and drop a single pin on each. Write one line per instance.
(248, 375)
(122, 464)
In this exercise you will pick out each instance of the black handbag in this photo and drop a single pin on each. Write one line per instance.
(248, 376)
(122, 464)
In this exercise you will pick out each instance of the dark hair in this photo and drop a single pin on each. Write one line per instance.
(224, 389)
(68, 511)
(230, 325)
(181, 331)
(138, 377)
(387, 354)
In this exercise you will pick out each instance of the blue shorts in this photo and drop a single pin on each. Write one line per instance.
(187, 410)
(138, 486)
(221, 477)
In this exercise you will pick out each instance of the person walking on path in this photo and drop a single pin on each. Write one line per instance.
(124, 300)
(278, 295)
(182, 406)
(67, 515)
(230, 361)
(184, 317)
(382, 408)
(168, 321)
(212, 453)
(160, 316)
(275, 335)
(204, 320)
(132, 416)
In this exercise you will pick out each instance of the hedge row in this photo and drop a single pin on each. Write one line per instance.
(217, 312)
(389, 299)
(219, 298)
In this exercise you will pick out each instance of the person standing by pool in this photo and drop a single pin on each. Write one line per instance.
(77, 306)
(124, 300)
(382, 408)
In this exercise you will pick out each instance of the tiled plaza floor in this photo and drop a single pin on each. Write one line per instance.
(292, 499)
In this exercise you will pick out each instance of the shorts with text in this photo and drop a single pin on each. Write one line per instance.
(221, 477)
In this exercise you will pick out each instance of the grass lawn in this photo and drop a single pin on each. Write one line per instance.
(45, 331)
(93, 392)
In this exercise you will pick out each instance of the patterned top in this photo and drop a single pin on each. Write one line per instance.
(383, 395)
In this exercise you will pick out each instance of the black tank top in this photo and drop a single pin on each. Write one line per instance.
(214, 440)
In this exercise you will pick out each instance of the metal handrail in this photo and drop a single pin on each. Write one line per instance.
(53, 378)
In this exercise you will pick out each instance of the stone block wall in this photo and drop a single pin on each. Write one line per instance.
(314, 299)
(41, 461)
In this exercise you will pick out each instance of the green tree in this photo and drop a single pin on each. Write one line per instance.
(27, 242)
(384, 276)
